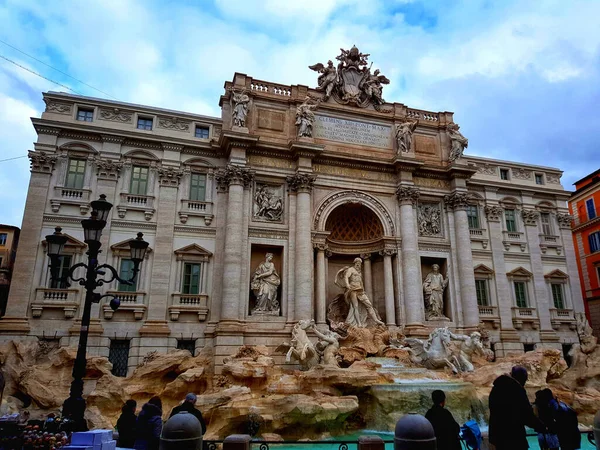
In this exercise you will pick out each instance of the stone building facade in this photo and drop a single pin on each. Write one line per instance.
(9, 240)
(310, 177)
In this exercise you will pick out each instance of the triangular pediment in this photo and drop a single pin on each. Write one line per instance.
(72, 242)
(193, 250)
(557, 274)
(520, 272)
(482, 269)
(122, 248)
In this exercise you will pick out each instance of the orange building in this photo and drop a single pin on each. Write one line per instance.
(584, 205)
(9, 239)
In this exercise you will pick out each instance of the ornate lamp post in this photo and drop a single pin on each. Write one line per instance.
(74, 406)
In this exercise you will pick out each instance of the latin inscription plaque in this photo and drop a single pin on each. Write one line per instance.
(352, 132)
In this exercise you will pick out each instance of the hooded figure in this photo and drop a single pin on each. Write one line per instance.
(510, 411)
(126, 424)
(149, 425)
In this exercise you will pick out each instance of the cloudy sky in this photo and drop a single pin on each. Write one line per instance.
(523, 77)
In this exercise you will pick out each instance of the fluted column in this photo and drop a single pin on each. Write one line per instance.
(388, 284)
(321, 288)
(23, 284)
(367, 275)
(235, 177)
(302, 184)
(413, 300)
(458, 201)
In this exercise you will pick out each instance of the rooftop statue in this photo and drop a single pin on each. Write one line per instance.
(352, 81)
(459, 142)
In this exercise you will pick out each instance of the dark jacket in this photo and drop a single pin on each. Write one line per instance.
(148, 427)
(445, 427)
(562, 421)
(126, 428)
(188, 407)
(510, 412)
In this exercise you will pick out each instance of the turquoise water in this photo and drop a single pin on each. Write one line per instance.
(386, 436)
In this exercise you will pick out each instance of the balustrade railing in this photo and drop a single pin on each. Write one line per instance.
(422, 115)
(270, 88)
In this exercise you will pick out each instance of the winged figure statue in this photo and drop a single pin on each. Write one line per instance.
(328, 78)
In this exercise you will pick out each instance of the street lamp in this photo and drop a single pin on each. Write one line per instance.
(74, 406)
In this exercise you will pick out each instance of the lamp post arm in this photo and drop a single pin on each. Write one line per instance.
(115, 276)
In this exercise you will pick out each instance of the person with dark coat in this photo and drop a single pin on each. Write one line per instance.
(149, 425)
(126, 425)
(510, 412)
(445, 427)
(559, 418)
(188, 406)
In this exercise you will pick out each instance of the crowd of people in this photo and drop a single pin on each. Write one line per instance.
(510, 412)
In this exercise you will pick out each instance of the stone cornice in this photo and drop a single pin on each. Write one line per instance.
(203, 231)
(353, 164)
(41, 129)
(113, 139)
(231, 139)
(407, 164)
(460, 170)
(301, 182)
(407, 195)
(171, 147)
(305, 149)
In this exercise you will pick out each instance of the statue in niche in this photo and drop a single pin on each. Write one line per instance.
(239, 112)
(267, 205)
(328, 78)
(305, 117)
(429, 218)
(265, 283)
(433, 287)
(404, 135)
(459, 142)
(354, 301)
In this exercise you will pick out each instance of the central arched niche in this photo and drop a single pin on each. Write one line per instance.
(353, 222)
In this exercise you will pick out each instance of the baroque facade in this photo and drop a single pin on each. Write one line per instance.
(289, 185)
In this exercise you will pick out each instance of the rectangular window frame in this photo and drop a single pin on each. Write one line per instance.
(473, 217)
(87, 116)
(65, 262)
(539, 178)
(118, 355)
(590, 207)
(191, 283)
(187, 344)
(521, 294)
(76, 168)
(198, 186)
(202, 131)
(546, 223)
(505, 174)
(482, 292)
(558, 295)
(510, 220)
(594, 241)
(145, 123)
(126, 272)
(3, 239)
(139, 184)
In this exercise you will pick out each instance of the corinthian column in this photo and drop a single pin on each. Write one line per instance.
(236, 177)
(388, 284)
(458, 201)
(413, 300)
(302, 184)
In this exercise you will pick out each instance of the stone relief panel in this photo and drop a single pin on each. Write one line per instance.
(173, 123)
(552, 178)
(429, 219)
(521, 174)
(115, 115)
(268, 203)
(57, 107)
(487, 169)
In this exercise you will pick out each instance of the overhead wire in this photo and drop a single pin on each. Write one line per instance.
(10, 159)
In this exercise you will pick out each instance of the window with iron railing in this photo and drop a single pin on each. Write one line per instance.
(118, 355)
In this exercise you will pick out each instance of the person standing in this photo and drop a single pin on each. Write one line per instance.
(149, 425)
(188, 405)
(510, 411)
(560, 419)
(445, 427)
(126, 424)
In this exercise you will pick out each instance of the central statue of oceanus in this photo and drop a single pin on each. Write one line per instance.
(353, 307)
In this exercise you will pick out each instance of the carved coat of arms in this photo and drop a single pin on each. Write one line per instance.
(352, 81)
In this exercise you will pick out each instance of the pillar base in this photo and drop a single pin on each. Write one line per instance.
(417, 330)
(510, 335)
(17, 325)
(549, 336)
(155, 328)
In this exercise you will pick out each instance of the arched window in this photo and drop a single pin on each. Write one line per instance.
(353, 222)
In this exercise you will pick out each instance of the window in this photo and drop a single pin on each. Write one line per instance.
(144, 124)
(193, 274)
(504, 174)
(591, 210)
(594, 241)
(63, 270)
(558, 296)
(118, 355)
(126, 273)
(85, 114)
(546, 224)
(3, 237)
(528, 348)
(473, 216)
(139, 180)
(482, 292)
(539, 178)
(511, 220)
(521, 294)
(566, 350)
(198, 187)
(201, 132)
(75, 173)
(187, 344)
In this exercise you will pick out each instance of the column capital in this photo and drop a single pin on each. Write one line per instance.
(169, 176)
(457, 200)
(107, 169)
(41, 162)
(365, 256)
(493, 212)
(388, 252)
(233, 174)
(301, 182)
(320, 246)
(407, 194)
(564, 220)
(530, 217)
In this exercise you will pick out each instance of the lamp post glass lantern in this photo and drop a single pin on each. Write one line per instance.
(74, 406)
